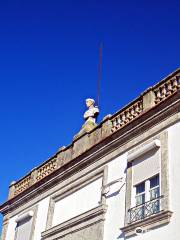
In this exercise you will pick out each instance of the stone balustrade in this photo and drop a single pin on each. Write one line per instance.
(127, 115)
(35, 176)
(166, 89)
(22, 185)
(46, 169)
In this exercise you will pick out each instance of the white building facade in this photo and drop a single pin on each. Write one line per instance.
(118, 181)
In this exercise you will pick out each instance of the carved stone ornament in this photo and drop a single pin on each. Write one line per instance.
(90, 117)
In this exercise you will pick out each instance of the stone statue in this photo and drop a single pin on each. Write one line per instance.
(90, 116)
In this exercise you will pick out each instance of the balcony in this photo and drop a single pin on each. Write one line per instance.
(148, 215)
(145, 210)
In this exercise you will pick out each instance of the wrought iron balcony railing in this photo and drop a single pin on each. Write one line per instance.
(145, 210)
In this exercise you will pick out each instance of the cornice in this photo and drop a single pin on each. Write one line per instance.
(154, 116)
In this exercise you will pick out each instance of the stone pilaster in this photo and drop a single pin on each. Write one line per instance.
(148, 99)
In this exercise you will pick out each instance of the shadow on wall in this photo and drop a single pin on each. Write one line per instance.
(115, 193)
(121, 236)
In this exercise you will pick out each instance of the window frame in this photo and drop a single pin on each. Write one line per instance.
(148, 189)
(33, 224)
(163, 217)
(73, 187)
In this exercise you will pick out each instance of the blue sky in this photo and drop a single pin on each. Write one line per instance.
(49, 53)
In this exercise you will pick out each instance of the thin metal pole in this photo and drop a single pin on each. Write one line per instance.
(99, 75)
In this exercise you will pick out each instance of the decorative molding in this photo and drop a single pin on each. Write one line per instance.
(148, 147)
(25, 216)
(75, 186)
(148, 224)
(79, 222)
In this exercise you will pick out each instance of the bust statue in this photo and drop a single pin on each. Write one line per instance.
(90, 116)
(92, 113)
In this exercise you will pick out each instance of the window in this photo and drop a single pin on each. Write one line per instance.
(147, 199)
(24, 226)
(147, 191)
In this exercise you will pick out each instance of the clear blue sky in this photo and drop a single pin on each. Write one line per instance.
(48, 66)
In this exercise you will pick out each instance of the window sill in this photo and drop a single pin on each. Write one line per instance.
(151, 222)
(84, 220)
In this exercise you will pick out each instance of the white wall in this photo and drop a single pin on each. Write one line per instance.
(40, 221)
(41, 218)
(115, 199)
(11, 229)
(79, 202)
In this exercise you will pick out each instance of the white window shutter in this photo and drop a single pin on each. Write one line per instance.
(24, 225)
(145, 162)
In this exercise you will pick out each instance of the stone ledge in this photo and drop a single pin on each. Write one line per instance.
(79, 222)
(152, 222)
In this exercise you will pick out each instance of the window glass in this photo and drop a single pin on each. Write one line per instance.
(140, 199)
(140, 188)
(154, 194)
(140, 193)
(154, 181)
(154, 187)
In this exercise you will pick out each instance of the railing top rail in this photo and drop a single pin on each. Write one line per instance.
(127, 106)
(176, 73)
(142, 204)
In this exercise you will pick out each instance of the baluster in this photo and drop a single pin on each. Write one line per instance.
(132, 112)
(140, 106)
(135, 109)
(121, 121)
(127, 115)
(163, 91)
(118, 121)
(114, 123)
(178, 81)
(174, 84)
(169, 88)
(158, 95)
(123, 118)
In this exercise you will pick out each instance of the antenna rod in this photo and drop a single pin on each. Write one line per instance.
(99, 74)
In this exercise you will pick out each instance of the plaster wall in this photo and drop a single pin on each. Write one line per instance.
(79, 202)
(115, 199)
(11, 229)
(41, 218)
